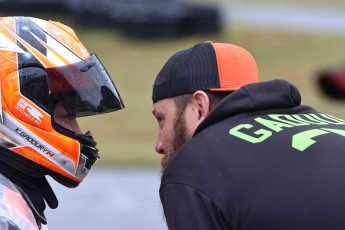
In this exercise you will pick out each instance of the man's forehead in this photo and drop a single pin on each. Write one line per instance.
(163, 105)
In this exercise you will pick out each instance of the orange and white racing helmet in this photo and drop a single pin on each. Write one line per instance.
(44, 63)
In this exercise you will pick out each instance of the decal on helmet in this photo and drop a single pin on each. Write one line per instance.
(29, 111)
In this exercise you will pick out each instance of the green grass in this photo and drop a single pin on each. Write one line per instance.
(127, 137)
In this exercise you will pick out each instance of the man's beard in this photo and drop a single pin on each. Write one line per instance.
(181, 136)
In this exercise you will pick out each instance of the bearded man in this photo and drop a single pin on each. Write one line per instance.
(243, 154)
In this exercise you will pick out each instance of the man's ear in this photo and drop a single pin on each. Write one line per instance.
(201, 104)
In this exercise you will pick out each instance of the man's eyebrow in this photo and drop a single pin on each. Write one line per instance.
(154, 111)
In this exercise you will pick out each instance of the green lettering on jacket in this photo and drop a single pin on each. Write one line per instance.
(260, 135)
(263, 128)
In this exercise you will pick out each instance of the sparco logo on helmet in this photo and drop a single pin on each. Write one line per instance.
(34, 142)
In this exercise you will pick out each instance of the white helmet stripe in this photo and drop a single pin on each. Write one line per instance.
(10, 127)
(7, 45)
(56, 47)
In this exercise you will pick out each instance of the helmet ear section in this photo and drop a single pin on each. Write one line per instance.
(26, 95)
(34, 85)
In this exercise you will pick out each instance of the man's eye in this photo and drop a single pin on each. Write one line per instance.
(159, 120)
(67, 117)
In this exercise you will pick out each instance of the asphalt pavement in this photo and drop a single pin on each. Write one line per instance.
(109, 199)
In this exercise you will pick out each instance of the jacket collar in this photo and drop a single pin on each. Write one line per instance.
(274, 94)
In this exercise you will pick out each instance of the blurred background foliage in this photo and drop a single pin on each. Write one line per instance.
(126, 138)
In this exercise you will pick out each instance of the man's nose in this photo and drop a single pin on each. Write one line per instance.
(159, 144)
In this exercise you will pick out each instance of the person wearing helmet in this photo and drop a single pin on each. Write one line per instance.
(47, 80)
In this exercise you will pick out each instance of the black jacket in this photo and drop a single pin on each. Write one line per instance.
(260, 160)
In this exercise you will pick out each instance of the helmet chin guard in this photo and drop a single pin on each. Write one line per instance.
(44, 63)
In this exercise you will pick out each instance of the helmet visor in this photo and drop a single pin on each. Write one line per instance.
(84, 88)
